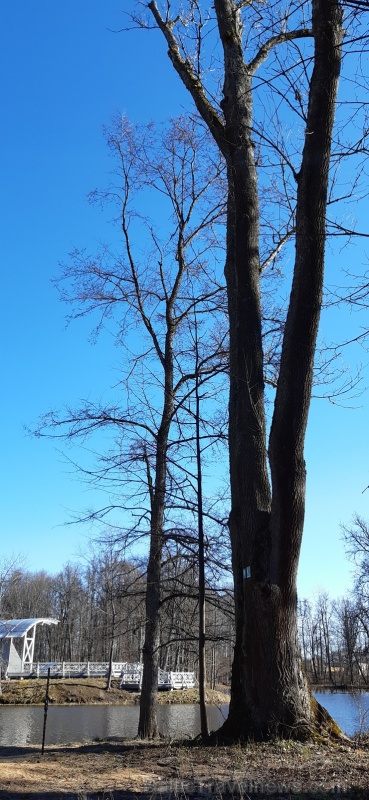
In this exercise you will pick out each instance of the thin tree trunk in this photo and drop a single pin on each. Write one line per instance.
(200, 518)
(148, 726)
(111, 651)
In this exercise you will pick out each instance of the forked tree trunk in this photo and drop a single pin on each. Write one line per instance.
(269, 693)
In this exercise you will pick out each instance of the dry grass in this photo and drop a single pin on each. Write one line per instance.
(131, 769)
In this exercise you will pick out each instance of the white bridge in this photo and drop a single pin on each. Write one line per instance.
(130, 675)
(17, 644)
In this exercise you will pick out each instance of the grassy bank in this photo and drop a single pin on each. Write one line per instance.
(92, 691)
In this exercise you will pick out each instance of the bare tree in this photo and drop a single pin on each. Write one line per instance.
(355, 612)
(269, 692)
(356, 538)
(69, 593)
(154, 286)
(9, 577)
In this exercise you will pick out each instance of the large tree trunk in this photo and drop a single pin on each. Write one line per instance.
(269, 693)
(250, 490)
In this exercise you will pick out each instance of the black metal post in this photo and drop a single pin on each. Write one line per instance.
(46, 705)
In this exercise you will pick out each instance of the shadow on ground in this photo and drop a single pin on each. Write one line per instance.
(175, 771)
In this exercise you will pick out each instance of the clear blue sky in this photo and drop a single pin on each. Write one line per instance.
(64, 74)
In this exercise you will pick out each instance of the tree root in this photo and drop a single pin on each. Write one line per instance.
(322, 728)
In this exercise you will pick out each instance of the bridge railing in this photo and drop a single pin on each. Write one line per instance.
(69, 669)
(130, 674)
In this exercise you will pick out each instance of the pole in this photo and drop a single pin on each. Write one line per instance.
(200, 517)
(46, 705)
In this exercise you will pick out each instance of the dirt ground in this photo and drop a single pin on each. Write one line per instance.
(126, 770)
(122, 770)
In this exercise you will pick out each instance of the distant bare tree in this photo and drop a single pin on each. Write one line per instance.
(150, 293)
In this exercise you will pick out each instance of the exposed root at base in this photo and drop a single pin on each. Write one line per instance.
(323, 729)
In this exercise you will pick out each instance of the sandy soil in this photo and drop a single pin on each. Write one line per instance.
(127, 770)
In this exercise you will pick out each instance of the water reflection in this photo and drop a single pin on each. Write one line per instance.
(22, 725)
(351, 711)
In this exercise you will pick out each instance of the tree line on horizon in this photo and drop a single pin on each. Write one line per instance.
(100, 606)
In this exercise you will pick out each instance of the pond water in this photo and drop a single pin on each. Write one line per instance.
(351, 711)
(22, 725)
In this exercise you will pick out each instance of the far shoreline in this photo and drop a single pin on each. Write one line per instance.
(92, 691)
